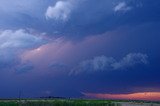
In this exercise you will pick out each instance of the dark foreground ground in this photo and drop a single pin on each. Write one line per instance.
(71, 102)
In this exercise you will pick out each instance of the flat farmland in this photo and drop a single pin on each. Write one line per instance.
(72, 102)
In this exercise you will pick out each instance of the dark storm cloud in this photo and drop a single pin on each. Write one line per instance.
(79, 30)
(98, 16)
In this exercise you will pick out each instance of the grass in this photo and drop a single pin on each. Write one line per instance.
(70, 102)
(58, 102)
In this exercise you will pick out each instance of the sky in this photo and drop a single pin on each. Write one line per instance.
(80, 49)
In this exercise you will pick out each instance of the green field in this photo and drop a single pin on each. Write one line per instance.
(62, 102)
(74, 102)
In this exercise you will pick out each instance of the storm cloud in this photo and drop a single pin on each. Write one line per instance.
(66, 47)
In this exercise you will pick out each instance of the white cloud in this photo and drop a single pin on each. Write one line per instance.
(122, 6)
(10, 39)
(12, 44)
(131, 60)
(103, 63)
(60, 11)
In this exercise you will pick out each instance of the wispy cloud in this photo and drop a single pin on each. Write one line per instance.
(57, 66)
(25, 67)
(131, 60)
(103, 63)
(122, 6)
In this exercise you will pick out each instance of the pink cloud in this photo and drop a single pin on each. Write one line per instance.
(69, 52)
(154, 96)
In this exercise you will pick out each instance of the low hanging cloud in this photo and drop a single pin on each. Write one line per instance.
(60, 11)
(122, 6)
(103, 63)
